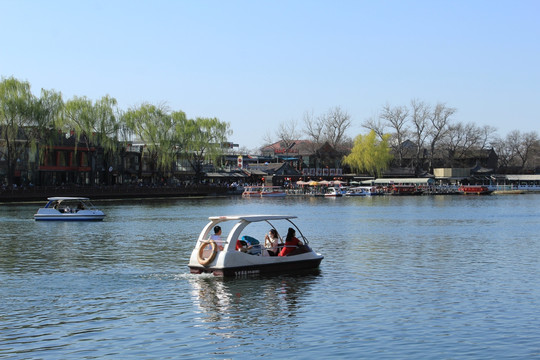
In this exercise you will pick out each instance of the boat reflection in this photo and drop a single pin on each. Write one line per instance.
(252, 301)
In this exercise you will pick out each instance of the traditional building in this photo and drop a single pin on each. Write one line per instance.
(310, 159)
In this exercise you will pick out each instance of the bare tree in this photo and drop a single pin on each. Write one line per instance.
(486, 136)
(521, 145)
(268, 139)
(376, 125)
(330, 127)
(419, 118)
(459, 139)
(314, 127)
(439, 120)
(504, 152)
(396, 118)
(288, 133)
(337, 123)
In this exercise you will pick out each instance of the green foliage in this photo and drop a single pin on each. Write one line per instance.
(46, 114)
(31, 123)
(369, 154)
(95, 124)
(172, 135)
(25, 121)
(205, 138)
(15, 107)
(157, 129)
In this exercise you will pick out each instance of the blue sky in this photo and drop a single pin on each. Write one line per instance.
(256, 64)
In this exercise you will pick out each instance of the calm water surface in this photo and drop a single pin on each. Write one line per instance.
(429, 277)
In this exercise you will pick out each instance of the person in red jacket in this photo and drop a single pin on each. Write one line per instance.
(291, 243)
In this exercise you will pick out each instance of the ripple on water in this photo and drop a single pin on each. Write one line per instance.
(430, 277)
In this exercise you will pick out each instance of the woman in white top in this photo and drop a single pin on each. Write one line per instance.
(271, 241)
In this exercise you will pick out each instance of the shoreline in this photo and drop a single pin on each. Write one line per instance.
(109, 192)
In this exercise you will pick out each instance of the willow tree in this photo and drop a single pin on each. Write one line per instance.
(157, 128)
(95, 124)
(369, 154)
(205, 138)
(25, 122)
(15, 104)
(46, 118)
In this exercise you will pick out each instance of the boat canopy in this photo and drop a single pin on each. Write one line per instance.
(414, 181)
(523, 177)
(252, 218)
(58, 198)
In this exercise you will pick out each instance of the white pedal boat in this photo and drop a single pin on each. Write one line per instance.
(69, 209)
(207, 257)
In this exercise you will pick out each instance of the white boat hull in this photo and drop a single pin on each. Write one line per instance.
(274, 194)
(82, 215)
(239, 263)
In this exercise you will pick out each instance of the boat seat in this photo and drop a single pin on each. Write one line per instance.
(256, 245)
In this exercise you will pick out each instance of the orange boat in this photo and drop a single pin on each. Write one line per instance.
(405, 190)
(474, 190)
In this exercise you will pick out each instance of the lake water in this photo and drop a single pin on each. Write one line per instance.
(430, 277)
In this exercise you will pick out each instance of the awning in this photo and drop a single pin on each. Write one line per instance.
(416, 181)
(225, 175)
(523, 177)
(256, 172)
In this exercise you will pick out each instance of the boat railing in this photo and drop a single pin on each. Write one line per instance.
(505, 187)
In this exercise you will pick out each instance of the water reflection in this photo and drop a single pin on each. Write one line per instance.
(251, 302)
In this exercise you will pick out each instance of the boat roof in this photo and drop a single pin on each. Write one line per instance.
(253, 218)
(396, 181)
(523, 177)
(58, 198)
(263, 186)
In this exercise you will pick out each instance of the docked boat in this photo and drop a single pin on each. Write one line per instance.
(400, 189)
(273, 191)
(333, 192)
(474, 190)
(69, 209)
(372, 190)
(356, 191)
(227, 256)
(263, 191)
(252, 191)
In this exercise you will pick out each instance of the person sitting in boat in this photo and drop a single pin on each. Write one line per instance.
(271, 241)
(217, 237)
(242, 245)
(248, 245)
(291, 243)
